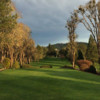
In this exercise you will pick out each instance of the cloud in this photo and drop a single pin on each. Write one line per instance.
(47, 18)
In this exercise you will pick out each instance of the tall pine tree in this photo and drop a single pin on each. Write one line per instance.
(7, 16)
(92, 52)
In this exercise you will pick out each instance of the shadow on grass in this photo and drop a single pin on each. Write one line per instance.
(68, 74)
(46, 85)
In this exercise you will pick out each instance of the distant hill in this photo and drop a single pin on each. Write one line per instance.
(62, 45)
(59, 45)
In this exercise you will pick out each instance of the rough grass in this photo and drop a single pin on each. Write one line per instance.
(49, 84)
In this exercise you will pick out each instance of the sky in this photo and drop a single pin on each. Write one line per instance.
(47, 19)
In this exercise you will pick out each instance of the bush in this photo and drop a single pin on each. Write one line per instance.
(92, 69)
(67, 67)
(16, 65)
(46, 66)
(26, 66)
(6, 63)
(86, 62)
(84, 67)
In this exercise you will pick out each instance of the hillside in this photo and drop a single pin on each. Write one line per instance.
(62, 45)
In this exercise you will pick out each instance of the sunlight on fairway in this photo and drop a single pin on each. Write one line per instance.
(47, 74)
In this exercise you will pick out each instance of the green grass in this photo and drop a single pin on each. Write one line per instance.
(55, 62)
(49, 84)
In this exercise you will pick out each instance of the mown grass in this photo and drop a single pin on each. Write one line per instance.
(55, 62)
(49, 84)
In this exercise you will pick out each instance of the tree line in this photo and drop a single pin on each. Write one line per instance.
(15, 37)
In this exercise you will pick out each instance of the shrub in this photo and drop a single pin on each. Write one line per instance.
(84, 67)
(16, 65)
(80, 62)
(67, 67)
(92, 69)
(6, 63)
(46, 66)
(26, 66)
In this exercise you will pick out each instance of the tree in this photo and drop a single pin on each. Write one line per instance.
(92, 52)
(80, 55)
(45, 50)
(89, 16)
(15, 39)
(7, 16)
(40, 53)
(29, 50)
(72, 46)
(8, 21)
(24, 35)
(63, 53)
(51, 51)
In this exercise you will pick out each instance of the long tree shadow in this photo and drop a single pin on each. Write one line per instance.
(45, 86)
(68, 73)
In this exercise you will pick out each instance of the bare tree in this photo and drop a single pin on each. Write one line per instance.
(89, 16)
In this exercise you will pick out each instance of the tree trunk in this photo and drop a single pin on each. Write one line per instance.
(15, 57)
(11, 58)
(73, 60)
(23, 57)
(29, 60)
(2, 56)
(20, 58)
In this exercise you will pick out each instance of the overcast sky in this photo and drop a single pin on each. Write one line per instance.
(47, 19)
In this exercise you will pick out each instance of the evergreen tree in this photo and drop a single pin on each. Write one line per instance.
(7, 16)
(51, 51)
(80, 55)
(92, 52)
(63, 53)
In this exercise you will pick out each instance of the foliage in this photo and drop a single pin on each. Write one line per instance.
(84, 67)
(6, 63)
(52, 51)
(15, 39)
(40, 53)
(29, 50)
(59, 46)
(82, 48)
(89, 16)
(81, 62)
(80, 55)
(92, 52)
(26, 66)
(63, 53)
(92, 69)
(8, 18)
(16, 65)
(72, 46)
